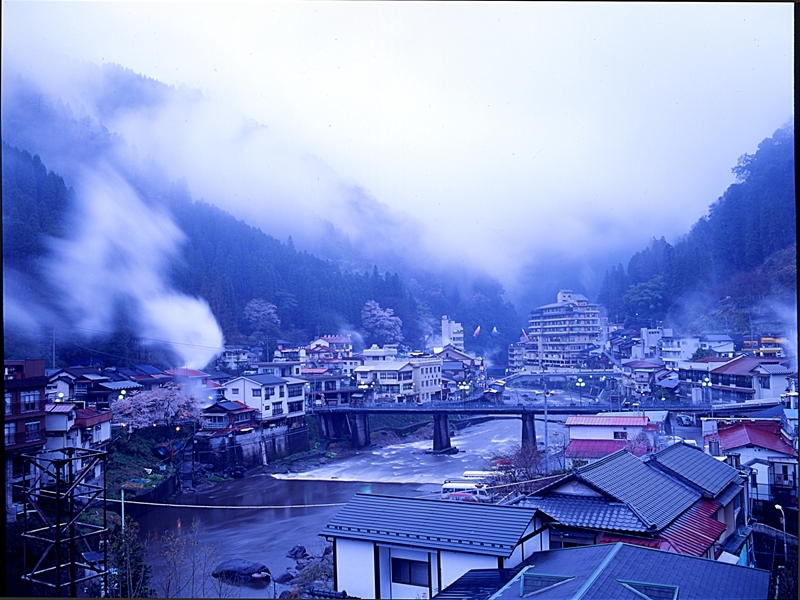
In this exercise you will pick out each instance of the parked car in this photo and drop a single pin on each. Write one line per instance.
(684, 420)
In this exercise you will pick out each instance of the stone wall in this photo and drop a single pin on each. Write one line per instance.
(252, 449)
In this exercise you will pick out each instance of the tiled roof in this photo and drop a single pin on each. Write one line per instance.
(474, 528)
(586, 512)
(59, 407)
(614, 571)
(477, 584)
(694, 465)
(632, 421)
(598, 448)
(181, 372)
(86, 417)
(773, 369)
(263, 379)
(764, 434)
(612, 538)
(655, 497)
(641, 364)
(744, 365)
(696, 530)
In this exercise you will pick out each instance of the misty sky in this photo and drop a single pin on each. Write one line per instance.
(497, 133)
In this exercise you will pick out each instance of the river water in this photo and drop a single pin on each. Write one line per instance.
(293, 508)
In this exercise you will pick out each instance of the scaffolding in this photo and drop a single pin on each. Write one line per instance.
(60, 543)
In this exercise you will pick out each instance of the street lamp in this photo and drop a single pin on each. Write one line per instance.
(580, 385)
(546, 438)
(783, 522)
(706, 384)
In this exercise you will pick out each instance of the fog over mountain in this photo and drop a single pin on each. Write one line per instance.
(536, 144)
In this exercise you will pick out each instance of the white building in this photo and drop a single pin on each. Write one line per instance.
(281, 400)
(452, 333)
(676, 349)
(396, 547)
(416, 379)
(67, 426)
(377, 354)
(563, 333)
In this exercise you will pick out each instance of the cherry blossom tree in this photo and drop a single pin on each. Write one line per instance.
(162, 406)
(381, 324)
(261, 314)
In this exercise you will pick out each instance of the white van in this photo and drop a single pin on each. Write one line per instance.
(463, 486)
(478, 475)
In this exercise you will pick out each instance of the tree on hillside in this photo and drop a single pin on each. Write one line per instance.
(261, 314)
(381, 324)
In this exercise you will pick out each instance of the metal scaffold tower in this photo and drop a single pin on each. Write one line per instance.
(62, 548)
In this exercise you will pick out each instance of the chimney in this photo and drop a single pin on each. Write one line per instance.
(733, 460)
(713, 447)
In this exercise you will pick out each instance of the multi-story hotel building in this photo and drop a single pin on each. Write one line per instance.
(562, 333)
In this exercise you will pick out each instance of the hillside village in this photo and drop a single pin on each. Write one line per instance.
(622, 480)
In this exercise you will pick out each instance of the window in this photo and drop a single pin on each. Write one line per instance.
(295, 390)
(295, 406)
(763, 382)
(620, 435)
(11, 434)
(32, 431)
(215, 421)
(409, 572)
(235, 391)
(256, 392)
(8, 403)
(280, 391)
(29, 401)
(277, 408)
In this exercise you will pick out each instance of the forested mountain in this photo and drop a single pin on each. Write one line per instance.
(229, 264)
(737, 264)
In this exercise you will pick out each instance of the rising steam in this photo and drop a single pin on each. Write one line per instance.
(117, 257)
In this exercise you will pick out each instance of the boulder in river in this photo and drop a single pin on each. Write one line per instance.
(240, 571)
(298, 552)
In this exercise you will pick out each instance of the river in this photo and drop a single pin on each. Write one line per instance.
(296, 506)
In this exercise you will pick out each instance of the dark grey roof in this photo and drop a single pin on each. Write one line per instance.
(265, 379)
(586, 512)
(729, 493)
(653, 496)
(477, 584)
(694, 465)
(465, 527)
(150, 370)
(626, 572)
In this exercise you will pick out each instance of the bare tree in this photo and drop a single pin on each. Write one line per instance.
(188, 564)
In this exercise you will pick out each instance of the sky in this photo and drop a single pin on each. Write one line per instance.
(494, 135)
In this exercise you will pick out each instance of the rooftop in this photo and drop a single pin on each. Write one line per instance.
(474, 528)
(622, 571)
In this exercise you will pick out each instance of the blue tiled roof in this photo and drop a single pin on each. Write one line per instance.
(464, 527)
(694, 465)
(614, 571)
(587, 512)
(653, 496)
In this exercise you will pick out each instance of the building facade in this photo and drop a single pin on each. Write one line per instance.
(24, 423)
(563, 333)
(452, 334)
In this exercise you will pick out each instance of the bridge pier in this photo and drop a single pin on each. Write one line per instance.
(441, 433)
(359, 429)
(529, 429)
(334, 425)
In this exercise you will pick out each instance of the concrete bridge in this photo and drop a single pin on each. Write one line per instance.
(338, 421)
